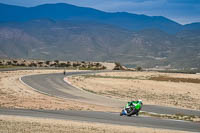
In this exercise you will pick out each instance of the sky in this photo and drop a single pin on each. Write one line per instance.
(181, 11)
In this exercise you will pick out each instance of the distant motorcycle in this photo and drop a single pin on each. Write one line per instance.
(132, 108)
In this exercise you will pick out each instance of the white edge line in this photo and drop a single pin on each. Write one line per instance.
(65, 79)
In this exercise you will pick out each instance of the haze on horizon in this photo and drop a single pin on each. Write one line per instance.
(181, 11)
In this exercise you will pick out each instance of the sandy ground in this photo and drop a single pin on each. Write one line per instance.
(14, 94)
(135, 85)
(16, 124)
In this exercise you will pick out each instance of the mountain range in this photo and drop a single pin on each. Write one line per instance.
(67, 32)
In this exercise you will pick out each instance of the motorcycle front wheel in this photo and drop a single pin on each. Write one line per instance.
(131, 112)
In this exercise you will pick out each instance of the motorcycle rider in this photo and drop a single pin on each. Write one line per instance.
(137, 107)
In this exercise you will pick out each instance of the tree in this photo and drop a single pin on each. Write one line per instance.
(138, 68)
(63, 65)
(118, 66)
(47, 62)
(33, 64)
(40, 63)
(15, 61)
(56, 61)
(9, 63)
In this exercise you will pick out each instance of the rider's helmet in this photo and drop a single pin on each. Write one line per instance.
(140, 101)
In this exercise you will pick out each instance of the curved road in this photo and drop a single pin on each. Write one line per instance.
(53, 84)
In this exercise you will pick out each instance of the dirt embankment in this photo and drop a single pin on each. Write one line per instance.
(14, 94)
(168, 89)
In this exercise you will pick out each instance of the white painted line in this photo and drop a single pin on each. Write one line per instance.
(87, 92)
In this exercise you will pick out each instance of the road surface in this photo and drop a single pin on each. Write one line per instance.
(53, 84)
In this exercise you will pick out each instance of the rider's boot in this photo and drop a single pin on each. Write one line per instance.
(137, 114)
(121, 114)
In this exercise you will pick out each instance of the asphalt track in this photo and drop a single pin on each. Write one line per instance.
(53, 84)
(107, 118)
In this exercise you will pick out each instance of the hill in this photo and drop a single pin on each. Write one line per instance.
(63, 11)
(90, 41)
(67, 32)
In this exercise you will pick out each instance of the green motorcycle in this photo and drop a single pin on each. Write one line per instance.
(132, 108)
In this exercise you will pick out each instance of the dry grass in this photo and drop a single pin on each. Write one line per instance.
(155, 78)
(174, 79)
(136, 85)
(174, 116)
(15, 124)
(14, 94)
